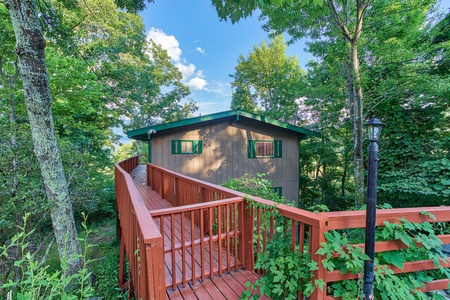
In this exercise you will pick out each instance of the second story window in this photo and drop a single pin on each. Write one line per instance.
(263, 148)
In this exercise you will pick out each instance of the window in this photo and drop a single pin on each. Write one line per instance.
(186, 147)
(261, 148)
(278, 190)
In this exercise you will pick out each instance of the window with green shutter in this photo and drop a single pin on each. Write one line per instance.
(264, 148)
(187, 147)
(278, 190)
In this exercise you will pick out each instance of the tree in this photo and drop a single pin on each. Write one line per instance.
(400, 60)
(406, 84)
(268, 81)
(301, 19)
(30, 45)
(142, 85)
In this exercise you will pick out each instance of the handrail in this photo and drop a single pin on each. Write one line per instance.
(141, 241)
(356, 219)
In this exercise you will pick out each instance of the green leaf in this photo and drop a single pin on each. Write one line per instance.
(395, 258)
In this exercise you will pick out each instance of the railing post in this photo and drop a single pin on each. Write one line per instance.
(161, 184)
(316, 237)
(149, 176)
(155, 270)
(247, 220)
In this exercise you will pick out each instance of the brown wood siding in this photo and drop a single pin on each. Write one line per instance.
(225, 155)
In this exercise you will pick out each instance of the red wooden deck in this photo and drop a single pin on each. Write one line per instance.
(229, 285)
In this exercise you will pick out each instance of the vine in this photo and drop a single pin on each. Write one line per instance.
(341, 255)
(286, 272)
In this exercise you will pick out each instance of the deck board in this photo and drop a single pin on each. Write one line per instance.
(228, 286)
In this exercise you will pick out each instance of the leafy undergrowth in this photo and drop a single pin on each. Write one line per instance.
(98, 280)
(104, 253)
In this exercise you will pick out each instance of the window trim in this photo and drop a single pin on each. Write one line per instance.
(176, 146)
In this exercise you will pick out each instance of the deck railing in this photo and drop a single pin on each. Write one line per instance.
(253, 236)
(356, 219)
(215, 253)
(141, 241)
(307, 228)
(213, 218)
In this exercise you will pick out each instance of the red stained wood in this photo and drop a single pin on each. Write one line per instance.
(187, 262)
(208, 237)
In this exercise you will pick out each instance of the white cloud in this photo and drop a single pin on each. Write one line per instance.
(190, 77)
(222, 89)
(186, 70)
(200, 50)
(197, 83)
(167, 42)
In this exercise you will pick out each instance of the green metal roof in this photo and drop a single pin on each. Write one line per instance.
(142, 133)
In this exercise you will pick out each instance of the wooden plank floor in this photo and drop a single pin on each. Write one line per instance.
(228, 286)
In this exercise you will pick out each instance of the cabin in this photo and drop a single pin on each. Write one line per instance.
(226, 145)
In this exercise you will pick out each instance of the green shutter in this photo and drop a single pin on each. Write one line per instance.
(176, 147)
(251, 149)
(196, 147)
(278, 149)
(199, 148)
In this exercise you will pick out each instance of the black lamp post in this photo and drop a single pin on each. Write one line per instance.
(374, 128)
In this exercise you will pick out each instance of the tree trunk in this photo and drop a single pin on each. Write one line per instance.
(355, 102)
(354, 88)
(30, 45)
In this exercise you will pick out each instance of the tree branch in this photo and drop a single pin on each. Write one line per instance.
(338, 20)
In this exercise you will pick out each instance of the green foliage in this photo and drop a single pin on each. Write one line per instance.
(286, 271)
(340, 254)
(44, 278)
(268, 82)
(35, 281)
(257, 186)
(235, 10)
(106, 252)
(404, 74)
(403, 88)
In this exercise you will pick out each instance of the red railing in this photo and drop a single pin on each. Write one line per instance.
(307, 228)
(356, 219)
(140, 240)
(223, 232)
(252, 235)
(193, 253)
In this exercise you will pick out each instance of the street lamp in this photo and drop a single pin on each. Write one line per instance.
(374, 128)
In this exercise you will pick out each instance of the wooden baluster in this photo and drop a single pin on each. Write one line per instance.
(202, 244)
(211, 250)
(248, 217)
(228, 228)
(219, 235)
(183, 250)
(172, 238)
(192, 247)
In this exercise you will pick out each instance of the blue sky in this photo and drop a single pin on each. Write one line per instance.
(204, 48)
